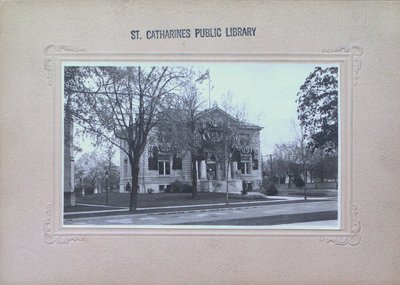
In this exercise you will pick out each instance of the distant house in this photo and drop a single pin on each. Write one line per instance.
(160, 166)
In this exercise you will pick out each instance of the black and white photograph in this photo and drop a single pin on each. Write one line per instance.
(201, 144)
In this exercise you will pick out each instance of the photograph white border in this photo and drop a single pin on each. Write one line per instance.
(55, 231)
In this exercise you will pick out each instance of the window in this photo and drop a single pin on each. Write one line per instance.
(165, 188)
(125, 167)
(164, 165)
(255, 159)
(245, 164)
(255, 164)
(153, 159)
(176, 162)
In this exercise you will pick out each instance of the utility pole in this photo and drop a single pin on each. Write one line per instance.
(226, 170)
(272, 173)
(305, 177)
(107, 187)
(305, 185)
(304, 163)
(209, 91)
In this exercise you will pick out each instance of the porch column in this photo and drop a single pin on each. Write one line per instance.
(203, 170)
(229, 171)
(234, 168)
(197, 170)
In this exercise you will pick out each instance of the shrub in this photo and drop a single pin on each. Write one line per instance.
(268, 187)
(78, 190)
(187, 188)
(216, 184)
(244, 187)
(180, 187)
(299, 182)
(150, 190)
(271, 190)
(89, 190)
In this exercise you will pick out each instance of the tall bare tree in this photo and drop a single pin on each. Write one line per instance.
(121, 105)
(238, 110)
(187, 126)
(181, 126)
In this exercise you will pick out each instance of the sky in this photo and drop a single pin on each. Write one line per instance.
(268, 90)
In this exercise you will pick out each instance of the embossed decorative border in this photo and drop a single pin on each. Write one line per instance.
(356, 52)
(49, 52)
(354, 238)
(49, 236)
(51, 228)
(350, 61)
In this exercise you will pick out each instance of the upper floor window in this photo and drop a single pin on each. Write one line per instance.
(245, 163)
(254, 157)
(176, 162)
(164, 165)
(125, 167)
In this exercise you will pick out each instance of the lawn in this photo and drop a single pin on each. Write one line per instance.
(311, 192)
(162, 199)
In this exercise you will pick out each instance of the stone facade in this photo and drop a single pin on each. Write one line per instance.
(69, 178)
(159, 167)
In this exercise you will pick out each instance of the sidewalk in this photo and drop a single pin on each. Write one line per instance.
(234, 215)
(114, 211)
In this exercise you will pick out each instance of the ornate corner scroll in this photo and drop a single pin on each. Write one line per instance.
(357, 53)
(51, 50)
(354, 238)
(48, 234)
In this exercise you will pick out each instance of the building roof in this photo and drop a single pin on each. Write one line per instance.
(216, 110)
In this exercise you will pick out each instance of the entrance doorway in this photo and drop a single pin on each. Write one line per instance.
(211, 171)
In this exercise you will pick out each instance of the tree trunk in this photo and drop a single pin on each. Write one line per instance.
(135, 184)
(322, 171)
(194, 177)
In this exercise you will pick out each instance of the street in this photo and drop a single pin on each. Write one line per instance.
(273, 214)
